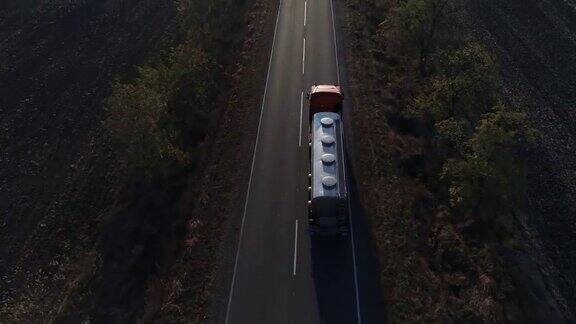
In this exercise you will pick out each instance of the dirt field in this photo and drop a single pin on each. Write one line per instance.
(60, 189)
(57, 60)
(535, 41)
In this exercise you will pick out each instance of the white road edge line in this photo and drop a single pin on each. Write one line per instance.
(303, 55)
(295, 248)
(345, 177)
(301, 108)
(335, 43)
(355, 268)
(252, 167)
(305, 10)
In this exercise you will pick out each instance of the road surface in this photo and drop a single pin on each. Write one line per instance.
(280, 274)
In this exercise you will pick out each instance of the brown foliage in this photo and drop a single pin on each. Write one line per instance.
(438, 86)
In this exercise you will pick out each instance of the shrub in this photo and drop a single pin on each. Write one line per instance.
(136, 114)
(158, 119)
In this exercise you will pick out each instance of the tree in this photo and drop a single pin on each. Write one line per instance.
(454, 132)
(489, 179)
(425, 23)
(466, 86)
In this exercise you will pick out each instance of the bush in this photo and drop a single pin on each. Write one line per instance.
(136, 114)
(158, 119)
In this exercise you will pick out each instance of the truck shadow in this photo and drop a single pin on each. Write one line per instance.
(333, 270)
(333, 274)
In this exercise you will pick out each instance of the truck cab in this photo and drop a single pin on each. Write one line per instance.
(325, 98)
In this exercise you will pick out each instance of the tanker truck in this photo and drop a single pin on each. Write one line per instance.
(328, 194)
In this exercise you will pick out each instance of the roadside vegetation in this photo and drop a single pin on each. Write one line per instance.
(440, 159)
(163, 122)
(158, 116)
(158, 119)
(168, 129)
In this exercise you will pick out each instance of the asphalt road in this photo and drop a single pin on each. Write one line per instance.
(280, 274)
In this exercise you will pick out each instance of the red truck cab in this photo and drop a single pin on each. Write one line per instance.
(325, 98)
